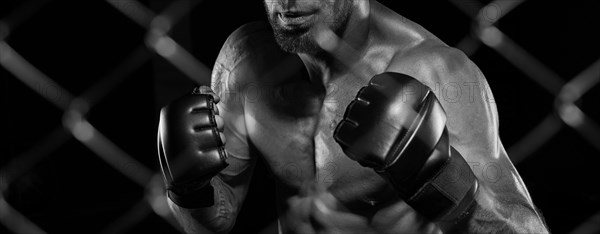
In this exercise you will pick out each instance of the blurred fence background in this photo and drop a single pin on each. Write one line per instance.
(82, 83)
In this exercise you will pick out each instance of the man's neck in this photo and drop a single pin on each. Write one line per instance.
(340, 52)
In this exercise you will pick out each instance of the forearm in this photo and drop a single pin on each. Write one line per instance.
(218, 218)
(493, 214)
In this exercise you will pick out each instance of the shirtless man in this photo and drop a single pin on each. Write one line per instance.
(343, 155)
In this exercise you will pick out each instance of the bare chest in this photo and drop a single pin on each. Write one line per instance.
(300, 149)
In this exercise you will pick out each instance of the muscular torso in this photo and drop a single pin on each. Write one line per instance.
(289, 115)
(291, 120)
(293, 130)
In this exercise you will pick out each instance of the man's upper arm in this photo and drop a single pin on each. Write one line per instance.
(241, 163)
(472, 116)
(472, 120)
(473, 124)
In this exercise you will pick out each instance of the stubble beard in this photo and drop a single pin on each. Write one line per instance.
(301, 39)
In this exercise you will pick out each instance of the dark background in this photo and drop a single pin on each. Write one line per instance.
(76, 43)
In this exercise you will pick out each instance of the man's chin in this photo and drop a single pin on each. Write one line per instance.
(302, 44)
(295, 40)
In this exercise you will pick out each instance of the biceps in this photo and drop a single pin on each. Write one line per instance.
(238, 157)
(473, 126)
(501, 188)
(236, 176)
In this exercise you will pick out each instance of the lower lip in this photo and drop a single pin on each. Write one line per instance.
(295, 21)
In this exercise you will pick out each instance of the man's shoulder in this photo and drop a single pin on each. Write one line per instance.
(251, 63)
(433, 61)
(247, 56)
(244, 44)
(232, 70)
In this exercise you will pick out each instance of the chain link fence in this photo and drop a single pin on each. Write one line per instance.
(74, 117)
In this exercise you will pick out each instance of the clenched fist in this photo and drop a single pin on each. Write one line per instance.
(191, 147)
